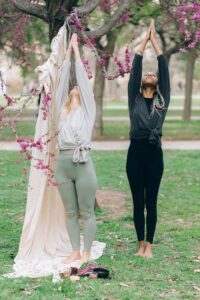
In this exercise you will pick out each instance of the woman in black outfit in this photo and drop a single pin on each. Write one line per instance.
(148, 100)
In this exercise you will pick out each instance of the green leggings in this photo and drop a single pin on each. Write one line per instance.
(77, 185)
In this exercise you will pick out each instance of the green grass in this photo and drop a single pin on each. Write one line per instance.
(170, 275)
(172, 130)
(25, 129)
(117, 112)
(124, 113)
(174, 102)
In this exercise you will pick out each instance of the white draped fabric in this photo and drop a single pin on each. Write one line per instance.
(44, 241)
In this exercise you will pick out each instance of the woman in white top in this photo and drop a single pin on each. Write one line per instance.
(75, 173)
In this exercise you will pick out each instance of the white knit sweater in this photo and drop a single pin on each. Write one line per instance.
(75, 131)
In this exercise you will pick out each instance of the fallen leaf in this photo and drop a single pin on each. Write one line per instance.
(118, 242)
(197, 271)
(196, 288)
(124, 284)
(172, 279)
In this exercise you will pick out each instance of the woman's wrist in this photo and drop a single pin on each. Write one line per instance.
(140, 52)
(68, 54)
(154, 40)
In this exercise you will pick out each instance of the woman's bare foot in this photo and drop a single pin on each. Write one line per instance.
(85, 256)
(73, 257)
(148, 251)
(141, 249)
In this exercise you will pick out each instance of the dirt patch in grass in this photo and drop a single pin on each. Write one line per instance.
(184, 224)
(113, 202)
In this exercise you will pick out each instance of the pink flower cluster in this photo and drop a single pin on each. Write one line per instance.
(107, 5)
(90, 43)
(77, 22)
(26, 145)
(10, 100)
(29, 143)
(46, 98)
(87, 67)
(188, 17)
(101, 61)
(14, 30)
(41, 165)
(128, 60)
(121, 67)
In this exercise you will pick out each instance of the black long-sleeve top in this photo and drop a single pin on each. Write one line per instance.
(142, 125)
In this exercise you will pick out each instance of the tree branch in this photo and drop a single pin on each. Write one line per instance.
(88, 7)
(111, 22)
(172, 50)
(35, 10)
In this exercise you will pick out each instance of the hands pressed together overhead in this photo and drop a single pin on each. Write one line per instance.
(150, 36)
(74, 42)
(151, 32)
(73, 45)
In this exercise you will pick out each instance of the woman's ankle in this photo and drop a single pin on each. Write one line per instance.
(149, 245)
(141, 244)
(86, 254)
(76, 253)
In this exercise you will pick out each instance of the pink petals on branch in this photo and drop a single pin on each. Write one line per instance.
(27, 144)
(101, 58)
(87, 67)
(46, 98)
(128, 60)
(188, 17)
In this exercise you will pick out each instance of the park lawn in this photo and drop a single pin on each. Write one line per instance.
(172, 130)
(173, 102)
(115, 130)
(171, 274)
(119, 112)
(124, 113)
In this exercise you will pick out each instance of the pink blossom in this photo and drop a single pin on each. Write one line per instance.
(182, 50)
(45, 102)
(101, 61)
(188, 17)
(127, 60)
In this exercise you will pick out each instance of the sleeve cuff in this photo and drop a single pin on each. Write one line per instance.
(139, 54)
(160, 56)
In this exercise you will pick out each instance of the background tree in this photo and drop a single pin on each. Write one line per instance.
(54, 13)
(186, 19)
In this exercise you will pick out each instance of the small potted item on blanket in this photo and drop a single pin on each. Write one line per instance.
(71, 272)
(93, 272)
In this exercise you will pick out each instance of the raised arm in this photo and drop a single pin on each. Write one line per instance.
(63, 83)
(87, 95)
(136, 72)
(163, 79)
(163, 71)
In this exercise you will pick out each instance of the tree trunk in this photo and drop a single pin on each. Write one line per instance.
(99, 84)
(188, 83)
(57, 12)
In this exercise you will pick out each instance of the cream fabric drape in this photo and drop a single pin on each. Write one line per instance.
(44, 241)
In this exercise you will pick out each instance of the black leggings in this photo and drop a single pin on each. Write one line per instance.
(144, 169)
